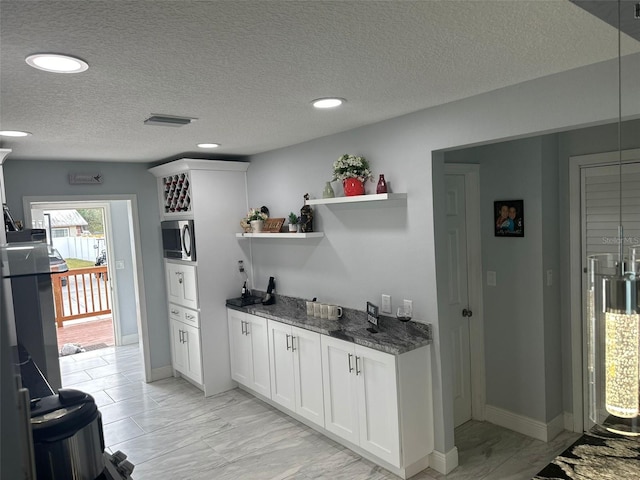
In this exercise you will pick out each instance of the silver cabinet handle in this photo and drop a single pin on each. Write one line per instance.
(242, 326)
(175, 312)
(288, 346)
(350, 367)
(358, 372)
(185, 335)
(188, 316)
(180, 335)
(246, 328)
(293, 348)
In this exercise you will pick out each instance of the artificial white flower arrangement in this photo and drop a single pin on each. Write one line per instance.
(351, 166)
(256, 214)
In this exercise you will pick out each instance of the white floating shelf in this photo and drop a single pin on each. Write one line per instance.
(280, 235)
(358, 199)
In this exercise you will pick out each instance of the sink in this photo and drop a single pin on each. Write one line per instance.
(244, 301)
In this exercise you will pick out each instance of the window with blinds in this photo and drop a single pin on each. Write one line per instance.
(601, 207)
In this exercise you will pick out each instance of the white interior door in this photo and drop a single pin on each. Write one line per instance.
(458, 297)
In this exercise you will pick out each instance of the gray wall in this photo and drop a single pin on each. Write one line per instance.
(40, 178)
(125, 280)
(369, 250)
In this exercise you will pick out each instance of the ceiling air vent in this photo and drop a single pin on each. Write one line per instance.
(168, 120)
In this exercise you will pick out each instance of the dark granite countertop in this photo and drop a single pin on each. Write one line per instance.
(393, 337)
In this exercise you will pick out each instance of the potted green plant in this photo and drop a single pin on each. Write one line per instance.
(293, 222)
(256, 219)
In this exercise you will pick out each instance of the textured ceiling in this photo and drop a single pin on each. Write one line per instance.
(248, 69)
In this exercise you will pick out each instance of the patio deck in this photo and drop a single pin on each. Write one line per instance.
(87, 332)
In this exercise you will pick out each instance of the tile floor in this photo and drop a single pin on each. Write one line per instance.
(169, 430)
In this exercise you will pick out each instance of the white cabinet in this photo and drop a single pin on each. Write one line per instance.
(249, 346)
(361, 397)
(182, 285)
(296, 370)
(185, 342)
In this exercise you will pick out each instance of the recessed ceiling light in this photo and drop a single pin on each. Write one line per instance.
(331, 102)
(13, 133)
(208, 145)
(53, 62)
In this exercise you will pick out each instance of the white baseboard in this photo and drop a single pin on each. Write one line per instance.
(129, 339)
(568, 421)
(162, 372)
(444, 462)
(525, 425)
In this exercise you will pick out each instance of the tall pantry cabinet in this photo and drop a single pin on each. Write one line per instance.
(213, 194)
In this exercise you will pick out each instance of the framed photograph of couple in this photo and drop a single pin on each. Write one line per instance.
(508, 218)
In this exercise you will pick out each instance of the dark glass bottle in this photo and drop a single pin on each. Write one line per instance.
(382, 185)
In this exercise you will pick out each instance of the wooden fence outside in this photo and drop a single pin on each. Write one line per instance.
(81, 293)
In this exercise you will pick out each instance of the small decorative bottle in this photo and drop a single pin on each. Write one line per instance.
(306, 217)
(328, 191)
(382, 185)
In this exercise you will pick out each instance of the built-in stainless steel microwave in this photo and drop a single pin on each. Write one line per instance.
(178, 240)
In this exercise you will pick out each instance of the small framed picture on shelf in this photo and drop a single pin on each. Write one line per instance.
(508, 218)
(272, 225)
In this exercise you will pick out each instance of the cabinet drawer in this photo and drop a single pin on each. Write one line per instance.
(184, 315)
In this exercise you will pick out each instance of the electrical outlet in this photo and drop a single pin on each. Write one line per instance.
(386, 304)
(240, 266)
(549, 278)
(119, 264)
(408, 305)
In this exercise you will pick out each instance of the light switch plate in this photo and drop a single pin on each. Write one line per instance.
(491, 278)
(386, 304)
(549, 278)
(119, 264)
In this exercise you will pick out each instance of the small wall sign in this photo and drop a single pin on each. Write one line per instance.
(85, 178)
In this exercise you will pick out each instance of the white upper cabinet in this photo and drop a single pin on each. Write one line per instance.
(182, 284)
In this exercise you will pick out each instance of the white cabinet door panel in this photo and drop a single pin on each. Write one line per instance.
(378, 404)
(178, 351)
(338, 362)
(307, 366)
(258, 340)
(191, 338)
(282, 388)
(240, 355)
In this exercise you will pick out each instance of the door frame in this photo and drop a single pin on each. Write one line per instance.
(578, 333)
(471, 173)
(141, 304)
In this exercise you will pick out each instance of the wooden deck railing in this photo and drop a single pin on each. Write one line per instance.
(81, 293)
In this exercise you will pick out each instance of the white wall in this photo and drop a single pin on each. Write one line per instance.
(43, 178)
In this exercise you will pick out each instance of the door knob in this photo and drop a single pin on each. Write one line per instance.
(467, 313)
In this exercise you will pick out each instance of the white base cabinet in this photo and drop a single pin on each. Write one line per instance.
(249, 345)
(375, 403)
(296, 370)
(361, 397)
(185, 342)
